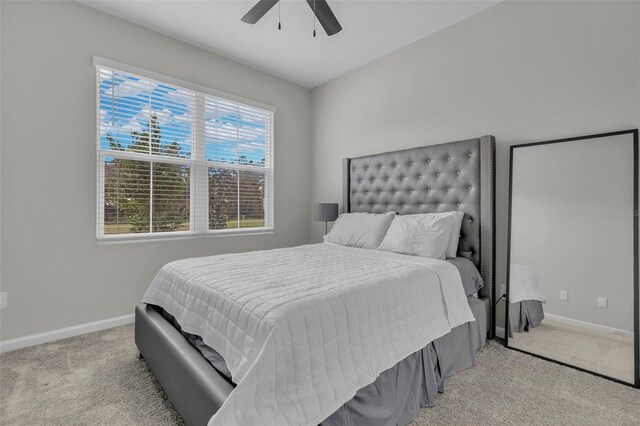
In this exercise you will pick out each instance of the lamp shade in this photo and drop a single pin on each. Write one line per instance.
(325, 212)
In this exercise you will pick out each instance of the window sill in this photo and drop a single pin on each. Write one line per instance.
(186, 235)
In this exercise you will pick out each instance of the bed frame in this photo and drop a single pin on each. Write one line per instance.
(436, 178)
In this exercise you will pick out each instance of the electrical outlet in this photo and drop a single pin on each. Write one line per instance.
(564, 295)
(602, 302)
(3, 300)
(503, 289)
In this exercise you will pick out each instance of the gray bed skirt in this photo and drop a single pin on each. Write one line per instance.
(397, 395)
(524, 315)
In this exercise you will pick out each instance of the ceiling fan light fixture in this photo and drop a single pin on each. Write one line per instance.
(320, 8)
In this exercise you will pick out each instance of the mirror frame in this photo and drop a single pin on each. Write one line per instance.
(636, 292)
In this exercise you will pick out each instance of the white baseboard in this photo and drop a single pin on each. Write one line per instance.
(589, 325)
(63, 333)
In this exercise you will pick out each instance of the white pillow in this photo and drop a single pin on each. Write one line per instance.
(454, 239)
(425, 235)
(365, 230)
(452, 250)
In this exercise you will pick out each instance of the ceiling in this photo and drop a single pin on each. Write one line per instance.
(371, 29)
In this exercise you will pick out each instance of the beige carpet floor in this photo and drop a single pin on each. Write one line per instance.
(95, 380)
(605, 353)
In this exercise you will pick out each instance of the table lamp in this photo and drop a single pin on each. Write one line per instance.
(325, 212)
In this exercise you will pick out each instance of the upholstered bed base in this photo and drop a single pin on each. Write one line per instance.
(195, 387)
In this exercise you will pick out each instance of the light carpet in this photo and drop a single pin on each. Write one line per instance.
(95, 379)
(605, 353)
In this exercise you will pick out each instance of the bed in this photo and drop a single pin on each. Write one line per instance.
(384, 375)
(525, 300)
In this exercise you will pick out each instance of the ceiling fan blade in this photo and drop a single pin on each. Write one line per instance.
(325, 16)
(258, 11)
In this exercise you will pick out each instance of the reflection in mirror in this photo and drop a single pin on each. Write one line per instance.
(572, 273)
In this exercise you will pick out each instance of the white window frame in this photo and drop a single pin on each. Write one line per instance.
(199, 212)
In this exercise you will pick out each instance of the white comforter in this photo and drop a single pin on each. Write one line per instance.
(523, 285)
(302, 329)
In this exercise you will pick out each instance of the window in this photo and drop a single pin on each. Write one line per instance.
(175, 159)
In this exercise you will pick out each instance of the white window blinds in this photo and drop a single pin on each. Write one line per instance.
(174, 160)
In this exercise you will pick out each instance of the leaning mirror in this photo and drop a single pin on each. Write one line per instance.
(572, 277)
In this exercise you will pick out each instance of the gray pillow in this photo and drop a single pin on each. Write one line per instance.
(471, 278)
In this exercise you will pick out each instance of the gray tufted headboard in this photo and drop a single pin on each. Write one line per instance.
(436, 178)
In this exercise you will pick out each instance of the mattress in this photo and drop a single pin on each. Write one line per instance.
(396, 396)
(469, 274)
(302, 329)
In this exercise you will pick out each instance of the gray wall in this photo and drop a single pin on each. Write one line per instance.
(572, 225)
(522, 71)
(55, 273)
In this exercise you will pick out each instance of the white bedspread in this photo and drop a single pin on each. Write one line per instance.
(302, 329)
(523, 285)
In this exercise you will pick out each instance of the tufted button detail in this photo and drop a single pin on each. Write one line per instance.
(402, 182)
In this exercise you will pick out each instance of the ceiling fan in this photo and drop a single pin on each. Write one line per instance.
(320, 8)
